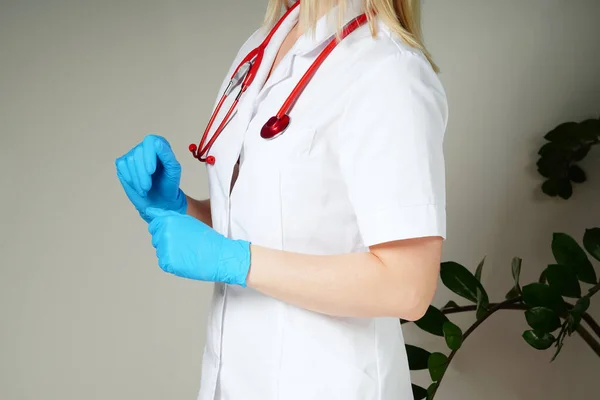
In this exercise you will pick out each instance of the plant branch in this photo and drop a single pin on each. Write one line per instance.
(518, 306)
(594, 290)
(503, 306)
(515, 304)
(468, 332)
(587, 317)
(587, 337)
(592, 323)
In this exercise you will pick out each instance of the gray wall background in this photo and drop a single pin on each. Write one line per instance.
(85, 312)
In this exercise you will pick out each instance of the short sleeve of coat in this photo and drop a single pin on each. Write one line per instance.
(390, 150)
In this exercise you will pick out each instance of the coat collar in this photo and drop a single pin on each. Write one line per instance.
(326, 28)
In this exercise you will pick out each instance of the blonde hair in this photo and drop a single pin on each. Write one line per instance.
(403, 17)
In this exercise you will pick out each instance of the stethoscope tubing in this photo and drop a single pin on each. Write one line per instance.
(246, 73)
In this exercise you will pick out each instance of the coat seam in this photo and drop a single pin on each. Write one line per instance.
(376, 340)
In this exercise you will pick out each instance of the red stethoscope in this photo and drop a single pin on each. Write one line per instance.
(245, 74)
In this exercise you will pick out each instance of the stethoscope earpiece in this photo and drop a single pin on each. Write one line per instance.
(194, 150)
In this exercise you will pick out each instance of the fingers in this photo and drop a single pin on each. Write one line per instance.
(122, 170)
(135, 180)
(154, 225)
(144, 178)
(157, 228)
(166, 156)
(149, 154)
(137, 166)
(154, 213)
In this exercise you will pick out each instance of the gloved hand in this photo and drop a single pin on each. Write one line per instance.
(191, 249)
(150, 175)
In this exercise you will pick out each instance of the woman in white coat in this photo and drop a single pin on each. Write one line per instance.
(320, 239)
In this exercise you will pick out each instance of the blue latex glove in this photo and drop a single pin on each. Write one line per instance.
(191, 249)
(150, 175)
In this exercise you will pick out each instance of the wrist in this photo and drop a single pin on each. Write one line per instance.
(238, 262)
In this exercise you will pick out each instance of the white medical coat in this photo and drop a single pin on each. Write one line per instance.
(361, 163)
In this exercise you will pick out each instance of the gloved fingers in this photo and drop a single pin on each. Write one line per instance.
(164, 262)
(144, 177)
(161, 247)
(167, 158)
(149, 154)
(123, 171)
(155, 237)
(154, 225)
(155, 213)
(135, 181)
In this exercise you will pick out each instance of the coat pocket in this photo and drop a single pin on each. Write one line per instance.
(292, 145)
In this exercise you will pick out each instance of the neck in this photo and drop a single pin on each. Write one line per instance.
(322, 8)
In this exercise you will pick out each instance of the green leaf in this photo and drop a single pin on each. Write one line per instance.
(437, 365)
(431, 390)
(576, 174)
(562, 134)
(482, 301)
(550, 150)
(591, 242)
(541, 295)
(483, 306)
(577, 312)
(513, 293)
(515, 267)
(542, 319)
(564, 280)
(567, 252)
(552, 167)
(543, 277)
(550, 187)
(589, 130)
(419, 393)
(539, 341)
(479, 270)
(453, 335)
(449, 305)
(581, 152)
(417, 357)
(433, 321)
(565, 189)
(461, 281)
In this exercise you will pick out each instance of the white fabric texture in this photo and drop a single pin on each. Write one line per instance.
(361, 163)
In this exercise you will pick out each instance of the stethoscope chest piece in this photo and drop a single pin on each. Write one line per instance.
(274, 127)
(244, 75)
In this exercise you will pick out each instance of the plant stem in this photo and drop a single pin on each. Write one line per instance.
(592, 323)
(588, 318)
(587, 337)
(594, 290)
(504, 306)
(515, 304)
(468, 332)
(585, 316)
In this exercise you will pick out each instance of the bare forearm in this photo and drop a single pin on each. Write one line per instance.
(349, 285)
(199, 209)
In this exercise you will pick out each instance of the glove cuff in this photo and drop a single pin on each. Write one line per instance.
(237, 263)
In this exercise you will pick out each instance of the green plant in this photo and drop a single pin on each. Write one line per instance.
(551, 318)
(567, 144)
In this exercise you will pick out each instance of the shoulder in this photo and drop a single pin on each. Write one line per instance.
(387, 56)
(386, 66)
